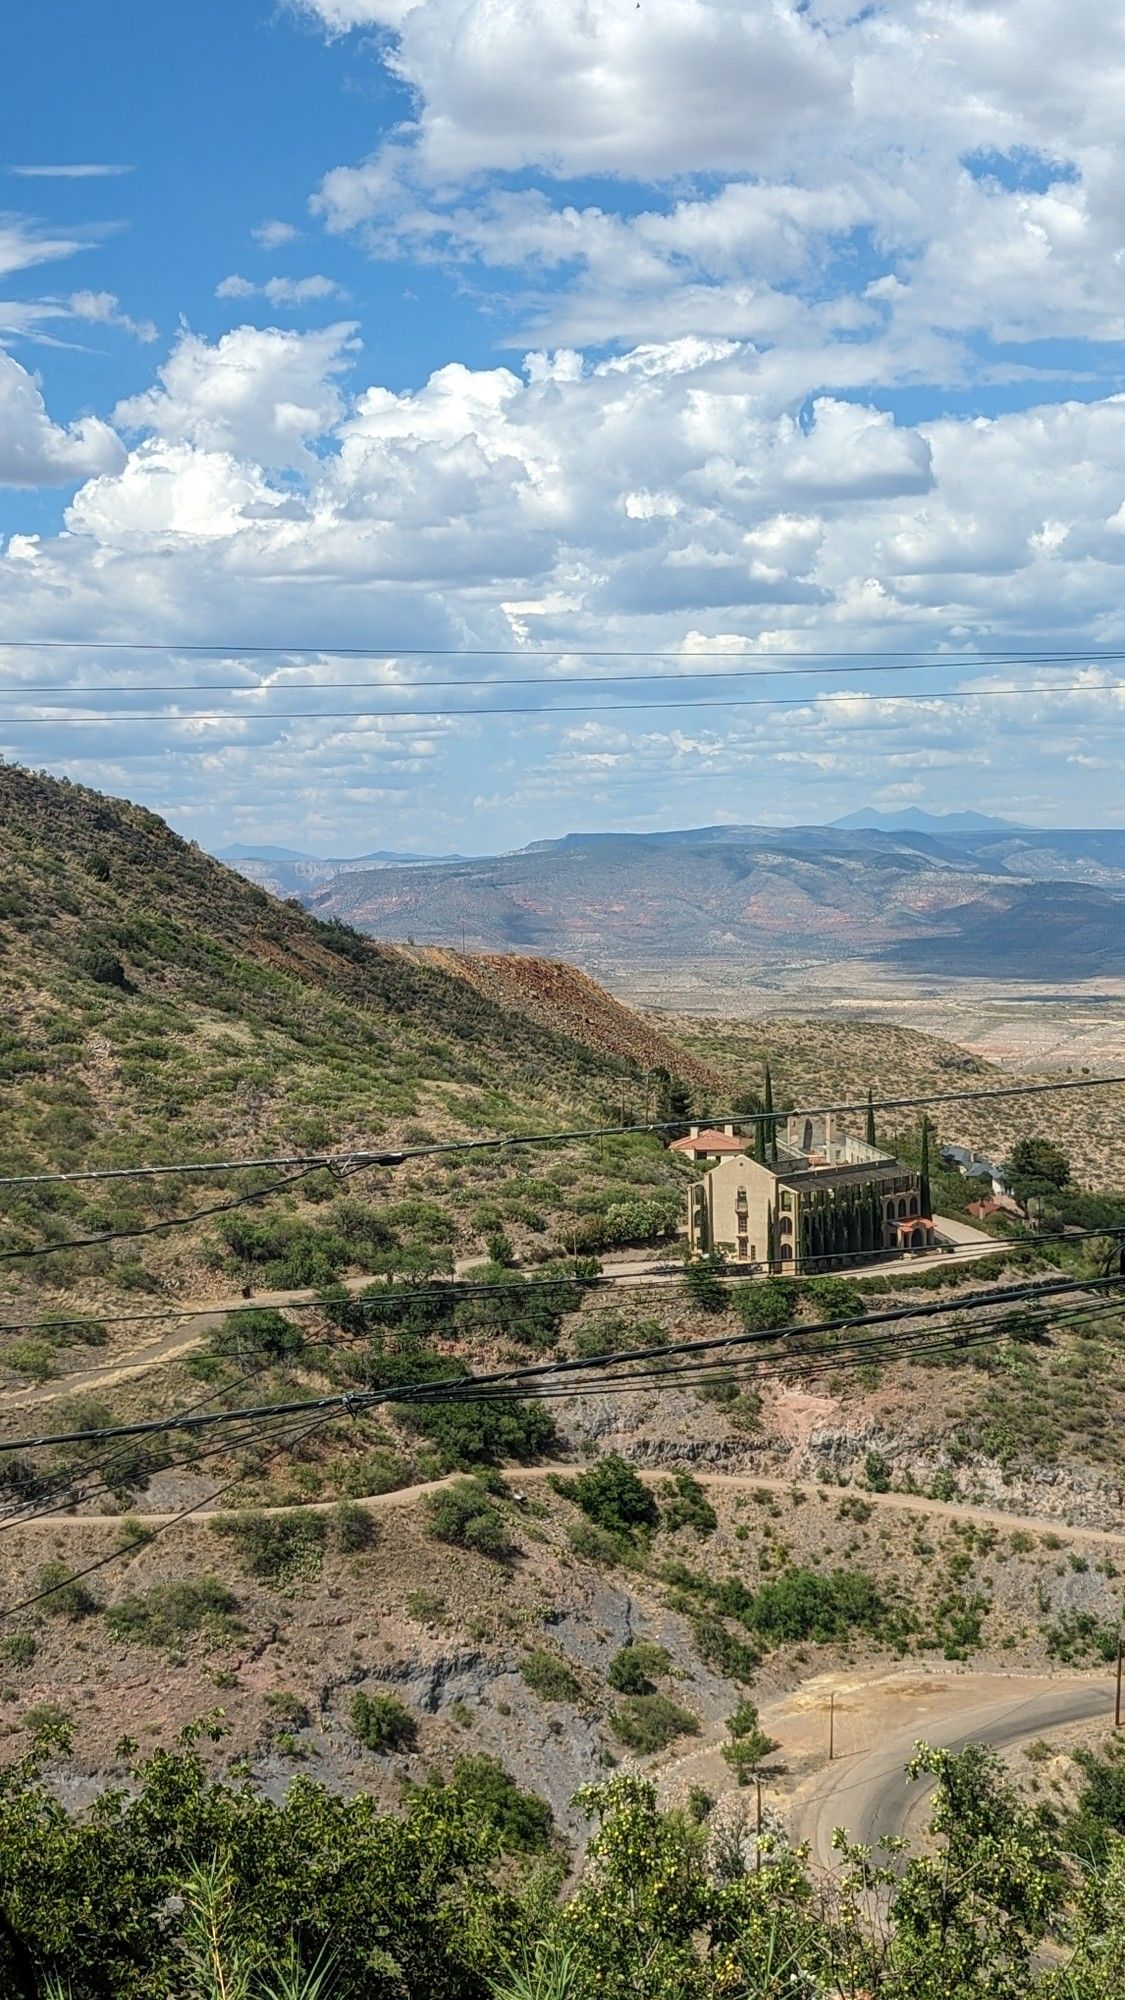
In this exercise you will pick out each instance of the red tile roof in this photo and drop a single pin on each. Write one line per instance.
(709, 1142)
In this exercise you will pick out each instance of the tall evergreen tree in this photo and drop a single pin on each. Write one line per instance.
(771, 1238)
(869, 1132)
(761, 1143)
(771, 1122)
(924, 1169)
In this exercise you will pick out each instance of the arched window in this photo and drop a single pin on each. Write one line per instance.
(912, 1208)
(785, 1225)
(786, 1252)
(890, 1211)
(902, 1205)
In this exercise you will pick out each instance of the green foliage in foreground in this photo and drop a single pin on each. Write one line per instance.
(179, 1888)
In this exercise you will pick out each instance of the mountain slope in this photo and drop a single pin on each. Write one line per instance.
(568, 1002)
(158, 1006)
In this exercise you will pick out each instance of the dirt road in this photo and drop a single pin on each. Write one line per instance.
(523, 1475)
(868, 1793)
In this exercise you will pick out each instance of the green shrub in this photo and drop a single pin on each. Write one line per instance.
(803, 1604)
(611, 1495)
(1078, 1635)
(466, 1515)
(69, 1597)
(550, 1676)
(684, 1504)
(704, 1286)
(172, 1611)
(649, 1722)
(278, 1548)
(766, 1303)
(633, 1669)
(381, 1723)
(353, 1527)
(877, 1472)
(35, 1358)
(260, 1331)
(18, 1649)
(597, 1545)
(521, 1822)
(749, 1745)
(484, 1433)
(105, 970)
(720, 1648)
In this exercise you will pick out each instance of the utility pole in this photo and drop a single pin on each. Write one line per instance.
(832, 1725)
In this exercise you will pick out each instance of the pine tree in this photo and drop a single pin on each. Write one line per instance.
(869, 1133)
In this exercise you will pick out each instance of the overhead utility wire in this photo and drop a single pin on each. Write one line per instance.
(154, 1228)
(418, 1392)
(216, 650)
(538, 709)
(878, 665)
(357, 1159)
(724, 1343)
(440, 1289)
(807, 1365)
(115, 1555)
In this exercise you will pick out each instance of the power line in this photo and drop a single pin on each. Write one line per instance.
(879, 665)
(842, 1356)
(555, 708)
(357, 1160)
(215, 649)
(428, 1391)
(455, 1290)
(75, 1576)
(153, 1228)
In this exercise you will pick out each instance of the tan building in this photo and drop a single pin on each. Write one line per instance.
(827, 1201)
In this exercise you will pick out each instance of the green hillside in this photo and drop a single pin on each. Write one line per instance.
(155, 1005)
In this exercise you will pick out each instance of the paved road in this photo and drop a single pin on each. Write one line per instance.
(868, 1793)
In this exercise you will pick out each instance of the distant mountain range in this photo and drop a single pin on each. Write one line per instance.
(285, 871)
(960, 893)
(912, 819)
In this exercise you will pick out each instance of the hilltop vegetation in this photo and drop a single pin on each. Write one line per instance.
(157, 1005)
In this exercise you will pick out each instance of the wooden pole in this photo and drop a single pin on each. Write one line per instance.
(832, 1725)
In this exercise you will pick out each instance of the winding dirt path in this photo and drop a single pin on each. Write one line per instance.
(744, 1482)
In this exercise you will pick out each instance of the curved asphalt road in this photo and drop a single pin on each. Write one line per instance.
(869, 1795)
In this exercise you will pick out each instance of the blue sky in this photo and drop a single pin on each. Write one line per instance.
(566, 341)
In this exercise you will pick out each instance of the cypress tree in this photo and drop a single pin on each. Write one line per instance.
(771, 1237)
(869, 1132)
(924, 1170)
(771, 1122)
(761, 1143)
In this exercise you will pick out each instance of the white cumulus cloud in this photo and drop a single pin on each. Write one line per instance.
(34, 451)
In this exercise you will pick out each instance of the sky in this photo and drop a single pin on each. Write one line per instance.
(438, 425)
